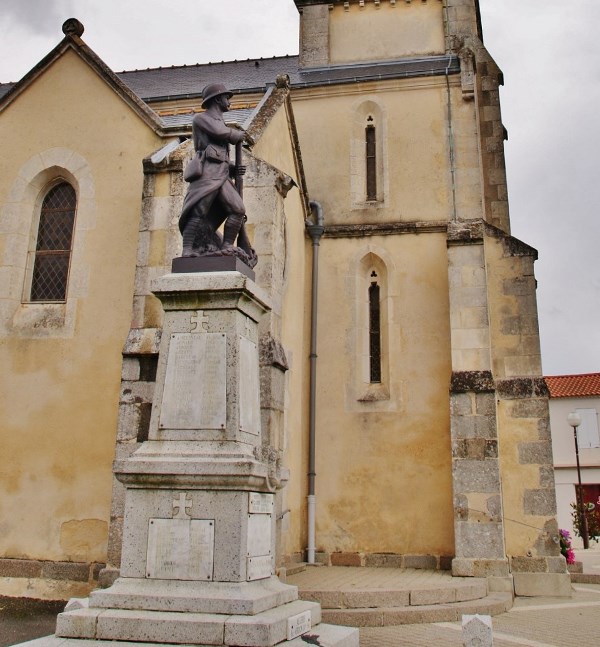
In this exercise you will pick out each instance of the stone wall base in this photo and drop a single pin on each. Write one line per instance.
(47, 580)
(467, 567)
(374, 560)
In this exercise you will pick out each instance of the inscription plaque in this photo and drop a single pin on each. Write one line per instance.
(180, 549)
(258, 568)
(259, 503)
(298, 625)
(195, 382)
(249, 388)
(259, 535)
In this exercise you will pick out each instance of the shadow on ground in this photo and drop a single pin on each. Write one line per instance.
(24, 619)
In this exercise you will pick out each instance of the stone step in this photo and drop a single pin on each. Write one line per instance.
(267, 628)
(492, 604)
(358, 597)
(322, 634)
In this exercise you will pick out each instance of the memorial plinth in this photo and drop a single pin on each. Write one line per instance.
(198, 554)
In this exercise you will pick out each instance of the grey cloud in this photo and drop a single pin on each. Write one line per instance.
(35, 16)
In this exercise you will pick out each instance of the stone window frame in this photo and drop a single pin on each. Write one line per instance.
(370, 267)
(368, 115)
(34, 253)
(19, 221)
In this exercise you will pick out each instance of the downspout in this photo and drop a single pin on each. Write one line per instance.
(315, 231)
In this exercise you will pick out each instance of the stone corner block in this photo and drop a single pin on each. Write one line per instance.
(477, 631)
(467, 567)
(346, 559)
(269, 627)
(330, 635)
(79, 623)
(499, 584)
(556, 585)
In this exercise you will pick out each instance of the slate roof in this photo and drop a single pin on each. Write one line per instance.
(181, 82)
(253, 75)
(573, 386)
(4, 88)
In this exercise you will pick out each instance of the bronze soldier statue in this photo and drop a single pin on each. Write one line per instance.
(212, 198)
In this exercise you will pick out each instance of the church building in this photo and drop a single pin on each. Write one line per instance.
(403, 411)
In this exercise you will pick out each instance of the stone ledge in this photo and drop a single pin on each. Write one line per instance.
(241, 598)
(265, 628)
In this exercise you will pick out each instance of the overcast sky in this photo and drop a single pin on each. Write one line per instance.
(549, 52)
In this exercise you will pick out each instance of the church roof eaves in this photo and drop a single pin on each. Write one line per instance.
(253, 75)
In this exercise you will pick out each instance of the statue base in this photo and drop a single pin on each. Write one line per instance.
(221, 263)
(199, 528)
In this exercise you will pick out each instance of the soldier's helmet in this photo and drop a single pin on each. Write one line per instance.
(214, 90)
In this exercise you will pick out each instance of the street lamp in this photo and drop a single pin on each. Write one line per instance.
(574, 419)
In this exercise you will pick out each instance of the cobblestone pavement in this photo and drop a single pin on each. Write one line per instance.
(532, 622)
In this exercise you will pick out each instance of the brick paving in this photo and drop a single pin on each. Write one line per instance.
(337, 578)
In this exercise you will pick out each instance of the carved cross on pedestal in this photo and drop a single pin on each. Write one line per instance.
(199, 322)
(182, 507)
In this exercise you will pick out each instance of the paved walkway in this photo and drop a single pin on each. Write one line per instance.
(537, 622)
(532, 622)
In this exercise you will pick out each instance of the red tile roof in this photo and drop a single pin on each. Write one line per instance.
(573, 386)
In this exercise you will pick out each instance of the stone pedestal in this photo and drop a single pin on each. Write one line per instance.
(198, 551)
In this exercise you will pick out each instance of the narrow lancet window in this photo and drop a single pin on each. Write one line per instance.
(374, 332)
(371, 160)
(53, 247)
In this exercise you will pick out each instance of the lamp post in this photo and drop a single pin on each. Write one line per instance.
(574, 419)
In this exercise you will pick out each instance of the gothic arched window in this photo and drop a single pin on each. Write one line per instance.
(53, 246)
(374, 330)
(371, 161)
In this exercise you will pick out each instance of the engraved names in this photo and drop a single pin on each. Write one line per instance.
(180, 549)
(195, 382)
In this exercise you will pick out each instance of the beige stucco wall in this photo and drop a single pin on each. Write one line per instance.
(62, 362)
(385, 31)
(292, 317)
(383, 463)
(411, 117)
(384, 456)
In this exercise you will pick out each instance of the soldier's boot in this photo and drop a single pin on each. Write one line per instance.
(189, 236)
(232, 228)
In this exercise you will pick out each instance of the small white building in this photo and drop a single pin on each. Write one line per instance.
(580, 394)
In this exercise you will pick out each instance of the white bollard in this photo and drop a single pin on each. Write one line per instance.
(477, 631)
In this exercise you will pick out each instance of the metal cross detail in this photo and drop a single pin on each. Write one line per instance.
(199, 322)
(182, 507)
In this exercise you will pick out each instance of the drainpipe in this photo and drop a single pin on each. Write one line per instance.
(315, 231)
